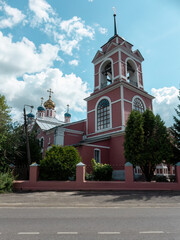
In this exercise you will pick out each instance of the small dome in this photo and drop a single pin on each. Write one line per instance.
(49, 104)
(67, 114)
(30, 115)
(41, 108)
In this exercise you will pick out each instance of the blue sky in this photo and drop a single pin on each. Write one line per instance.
(51, 43)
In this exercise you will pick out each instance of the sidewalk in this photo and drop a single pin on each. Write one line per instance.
(92, 199)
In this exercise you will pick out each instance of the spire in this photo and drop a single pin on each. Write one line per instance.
(115, 28)
(42, 101)
(67, 115)
(68, 108)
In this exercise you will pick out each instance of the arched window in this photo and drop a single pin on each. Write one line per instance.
(132, 73)
(103, 114)
(138, 105)
(106, 74)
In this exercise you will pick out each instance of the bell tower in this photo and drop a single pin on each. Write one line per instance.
(118, 86)
(117, 61)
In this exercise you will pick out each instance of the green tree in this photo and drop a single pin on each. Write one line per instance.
(13, 141)
(5, 126)
(146, 142)
(175, 130)
(59, 163)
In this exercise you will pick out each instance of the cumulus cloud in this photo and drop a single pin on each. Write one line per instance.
(74, 62)
(166, 100)
(76, 26)
(42, 12)
(68, 89)
(12, 16)
(21, 57)
(67, 33)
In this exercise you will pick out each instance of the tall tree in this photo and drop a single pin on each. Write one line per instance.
(146, 142)
(5, 125)
(175, 130)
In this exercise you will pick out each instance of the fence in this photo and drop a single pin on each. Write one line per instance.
(81, 184)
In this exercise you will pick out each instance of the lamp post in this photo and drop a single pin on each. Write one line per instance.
(26, 132)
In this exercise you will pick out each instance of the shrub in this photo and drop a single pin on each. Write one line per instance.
(161, 179)
(101, 172)
(59, 163)
(172, 178)
(6, 182)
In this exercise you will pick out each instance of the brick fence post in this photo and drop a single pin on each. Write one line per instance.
(178, 172)
(34, 172)
(80, 172)
(129, 175)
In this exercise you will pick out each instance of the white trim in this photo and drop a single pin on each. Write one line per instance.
(105, 134)
(126, 85)
(122, 107)
(111, 104)
(112, 67)
(86, 119)
(99, 150)
(91, 111)
(103, 97)
(116, 101)
(119, 54)
(137, 96)
(72, 131)
(128, 53)
(125, 100)
(92, 145)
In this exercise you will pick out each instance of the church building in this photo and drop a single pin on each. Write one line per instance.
(118, 89)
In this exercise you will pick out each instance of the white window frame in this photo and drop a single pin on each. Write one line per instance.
(141, 101)
(110, 111)
(99, 150)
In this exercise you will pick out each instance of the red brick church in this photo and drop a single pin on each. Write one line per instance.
(118, 88)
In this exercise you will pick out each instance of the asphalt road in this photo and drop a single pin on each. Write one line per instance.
(90, 215)
(90, 223)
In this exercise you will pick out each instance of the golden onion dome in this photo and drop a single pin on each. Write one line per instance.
(49, 104)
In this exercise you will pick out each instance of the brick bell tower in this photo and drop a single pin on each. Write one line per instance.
(118, 89)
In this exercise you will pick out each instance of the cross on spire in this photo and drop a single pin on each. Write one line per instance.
(50, 91)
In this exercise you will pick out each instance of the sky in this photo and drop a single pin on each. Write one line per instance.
(50, 44)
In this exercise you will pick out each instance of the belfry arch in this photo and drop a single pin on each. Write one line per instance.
(131, 72)
(106, 73)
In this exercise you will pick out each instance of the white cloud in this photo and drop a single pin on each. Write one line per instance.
(42, 11)
(12, 17)
(74, 62)
(90, 0)
(17, 58)
(165, 102)
(76, 26)
(100, 29)
(67, 33)
(68, 89)
(103, 30)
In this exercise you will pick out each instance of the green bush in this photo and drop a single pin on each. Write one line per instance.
(6, 182)
(161, 178)
(101, 172)
(59, 163)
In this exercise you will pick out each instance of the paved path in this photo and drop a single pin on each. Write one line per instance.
(92, 199)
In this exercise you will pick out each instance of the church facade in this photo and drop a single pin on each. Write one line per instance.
(118, 89)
